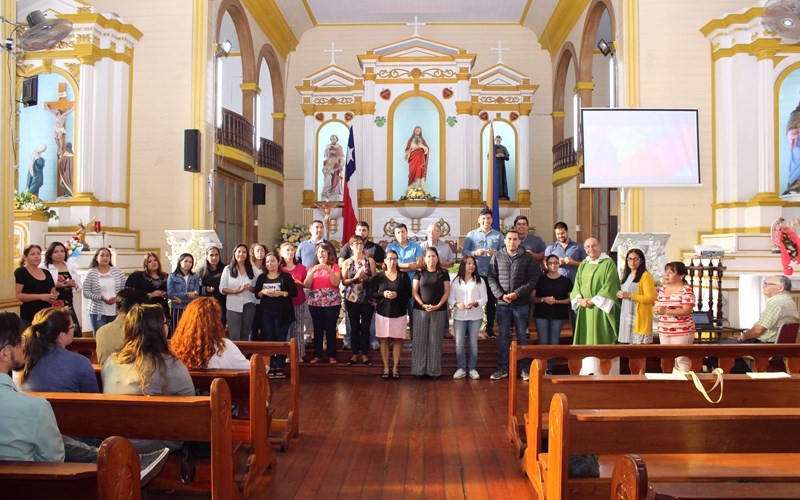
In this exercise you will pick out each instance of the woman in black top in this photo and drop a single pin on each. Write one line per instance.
(276, 289)
(391, 289)
(152, 281)
(552, 305)
(210, 274)
(430, 290)
(65, 277)
(35, 286)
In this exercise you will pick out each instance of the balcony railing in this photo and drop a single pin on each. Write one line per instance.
(564, 155)
(270, 155)
(235, 132)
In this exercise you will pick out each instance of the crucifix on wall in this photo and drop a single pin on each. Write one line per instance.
(60, 109)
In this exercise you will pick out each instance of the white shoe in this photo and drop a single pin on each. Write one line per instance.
(474, 375)
(459, 374)
(151, 464)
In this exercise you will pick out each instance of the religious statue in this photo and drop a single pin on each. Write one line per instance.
(417, 158)
(65, 172)
(81, 232)
(36, 171)
(60, 129)
(500, 157)
(333, 170)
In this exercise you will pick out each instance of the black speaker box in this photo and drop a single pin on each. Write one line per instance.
(30, 91)
(191, 150)
(259, 194)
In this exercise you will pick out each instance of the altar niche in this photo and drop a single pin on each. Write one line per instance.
(508, 135)
(412, 112)
(45, 131)
(331, 157)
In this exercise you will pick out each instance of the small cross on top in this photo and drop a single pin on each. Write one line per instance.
(500, 49)
(333, 50)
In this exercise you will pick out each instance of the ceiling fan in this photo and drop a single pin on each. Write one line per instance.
(40, 34)
(783, 17)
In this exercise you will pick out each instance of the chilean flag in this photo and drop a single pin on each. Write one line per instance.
(493, 180)
(350, 208)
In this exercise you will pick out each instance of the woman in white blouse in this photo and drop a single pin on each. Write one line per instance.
(100, 286)
(65, 276)
(237, 283)
(467, 297)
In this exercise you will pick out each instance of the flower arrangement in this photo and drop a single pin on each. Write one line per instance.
(418, 194)
(74, 247)
(29, 201)
(293, 233)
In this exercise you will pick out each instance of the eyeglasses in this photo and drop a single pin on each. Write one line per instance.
(767, 283)
(634, 259)
(71, 327)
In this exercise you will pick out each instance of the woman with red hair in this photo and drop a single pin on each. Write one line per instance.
(199, 340)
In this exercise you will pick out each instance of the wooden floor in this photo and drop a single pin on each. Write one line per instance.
(364, 437)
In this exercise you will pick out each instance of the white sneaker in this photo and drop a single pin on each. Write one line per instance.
(526, 375)
(474, 375)
(459, 374)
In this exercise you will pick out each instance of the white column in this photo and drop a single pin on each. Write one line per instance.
(85, 142)
(309, 154)
(523, 153)
(766, 118)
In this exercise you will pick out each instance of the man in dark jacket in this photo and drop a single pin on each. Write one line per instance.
(513, 274)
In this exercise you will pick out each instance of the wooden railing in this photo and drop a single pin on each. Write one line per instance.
(705, 278)
(235, 132)
(270, 155)
(564, 155)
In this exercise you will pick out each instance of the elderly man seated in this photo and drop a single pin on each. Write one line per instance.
(779, 311)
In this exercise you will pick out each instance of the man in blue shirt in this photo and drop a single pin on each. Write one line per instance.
(409, 257)
(482, 243)
(306, 251)
(531, 243)
(570, 253)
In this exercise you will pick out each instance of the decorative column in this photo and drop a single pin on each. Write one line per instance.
(83, 130)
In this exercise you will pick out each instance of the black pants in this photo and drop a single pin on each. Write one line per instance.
(491, 308)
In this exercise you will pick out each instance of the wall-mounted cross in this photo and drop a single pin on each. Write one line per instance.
(416, 26)
(333, 50)
(500, 49)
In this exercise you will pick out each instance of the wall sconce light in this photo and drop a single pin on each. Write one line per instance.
(223, 49)
(605, 47)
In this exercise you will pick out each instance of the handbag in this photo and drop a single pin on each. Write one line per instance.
(718, 382)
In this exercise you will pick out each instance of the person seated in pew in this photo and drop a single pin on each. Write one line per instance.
(49, 366)
(146, 366)
(199, 341)
(109, 336)
(28, 428)
(780, 310)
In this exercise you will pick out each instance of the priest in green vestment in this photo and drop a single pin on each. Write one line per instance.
(594, 298)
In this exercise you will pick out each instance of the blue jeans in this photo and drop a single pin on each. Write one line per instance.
(99, 320)
(470, 328)
(506, 315)
(272, 330)
(549, 333)
(324, 319)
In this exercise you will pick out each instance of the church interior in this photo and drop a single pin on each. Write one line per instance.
(165, 127)
(211, 120)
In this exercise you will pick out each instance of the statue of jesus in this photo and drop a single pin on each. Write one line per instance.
(417, 158)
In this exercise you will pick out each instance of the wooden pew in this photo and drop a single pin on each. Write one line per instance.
(115, 476)
(251, 391)
(282, 429)
(635, 391)
(180, 418)
(686, 445)
(629, 482)
(726, 353)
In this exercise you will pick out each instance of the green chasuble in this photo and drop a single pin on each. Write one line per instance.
(593, 325)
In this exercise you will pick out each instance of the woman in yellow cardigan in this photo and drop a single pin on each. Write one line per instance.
(638, 295)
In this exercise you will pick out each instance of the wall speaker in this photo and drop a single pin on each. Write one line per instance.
(191, 150)
(259, 194)
(30, 91)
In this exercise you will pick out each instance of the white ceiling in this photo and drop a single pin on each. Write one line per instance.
(428, 11)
